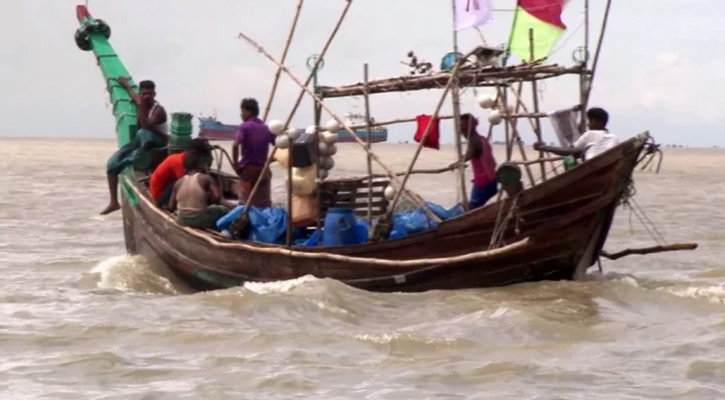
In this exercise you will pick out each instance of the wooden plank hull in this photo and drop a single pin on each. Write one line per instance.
(566, 220)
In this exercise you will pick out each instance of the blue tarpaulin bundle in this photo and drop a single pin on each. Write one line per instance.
(267, 225)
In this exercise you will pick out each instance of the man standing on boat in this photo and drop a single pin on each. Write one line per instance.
(254, 137)
(480, 154)
(153, 132)
(592, 143)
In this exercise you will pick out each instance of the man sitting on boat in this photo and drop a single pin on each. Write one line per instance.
(254, 137)
(153, 132)
(480, 154)
(592, 143)
(196, 196)
(172, 169)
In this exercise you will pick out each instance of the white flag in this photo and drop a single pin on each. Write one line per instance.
(471, 13)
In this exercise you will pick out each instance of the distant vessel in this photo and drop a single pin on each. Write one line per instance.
(210, 128)
(377, 133)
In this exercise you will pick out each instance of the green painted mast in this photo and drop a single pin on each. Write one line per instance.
(93, 35)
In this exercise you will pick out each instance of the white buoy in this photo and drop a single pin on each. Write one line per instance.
(333, 126)
(276, 126)
(508, 109)
(495, 117)
(293, 133)
(330, 137)
(331, 150)
(282, 141)
(327, 163)
(390, 192)
(486, 101)
(323, 149)
(310, 130)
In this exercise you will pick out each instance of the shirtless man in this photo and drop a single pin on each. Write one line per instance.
(196, 195)
(153, 132)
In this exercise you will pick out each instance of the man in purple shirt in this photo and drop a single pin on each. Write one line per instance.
(254, 137)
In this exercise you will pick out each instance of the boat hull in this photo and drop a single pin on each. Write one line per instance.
(565, 222)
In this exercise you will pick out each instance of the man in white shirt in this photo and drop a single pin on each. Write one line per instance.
(592, 143)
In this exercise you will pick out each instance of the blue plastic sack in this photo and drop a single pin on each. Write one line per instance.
(361, 233)
(417, 221)
(267, 225)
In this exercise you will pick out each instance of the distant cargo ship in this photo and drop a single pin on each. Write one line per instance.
(210, 128)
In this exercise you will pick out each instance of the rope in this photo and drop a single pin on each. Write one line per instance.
(500, 228)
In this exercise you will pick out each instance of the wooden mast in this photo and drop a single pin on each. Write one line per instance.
(455, 92)
(368, 126)
(268, 106)
(299, 100)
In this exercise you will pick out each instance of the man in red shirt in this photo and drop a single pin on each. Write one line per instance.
(172, 169)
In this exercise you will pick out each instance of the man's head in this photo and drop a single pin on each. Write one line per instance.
(147, 91)
(597, 118)
(250, 108)
(193, 162)
(468, 125)
(201, 148)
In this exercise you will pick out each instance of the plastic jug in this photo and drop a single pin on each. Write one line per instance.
(340, 227)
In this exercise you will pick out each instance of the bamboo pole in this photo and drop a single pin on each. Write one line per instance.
(299, 99)
(596, 55)
(318, 181)
(290, 158)
(455, 92)
(507, 126)
(535, 93)
(582, 77)
(352, 133)
(649, 250)
(517, 136)
(268, 106)
(533, 127)
(369, 146)
(449, 86)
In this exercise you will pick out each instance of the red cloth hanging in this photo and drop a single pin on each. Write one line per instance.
(434, 136)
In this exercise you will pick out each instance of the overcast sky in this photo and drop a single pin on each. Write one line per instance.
(662, 65)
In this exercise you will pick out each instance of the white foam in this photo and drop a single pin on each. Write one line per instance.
(279, 286)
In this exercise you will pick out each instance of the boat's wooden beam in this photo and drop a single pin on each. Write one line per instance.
(649, 250)
(467, 78)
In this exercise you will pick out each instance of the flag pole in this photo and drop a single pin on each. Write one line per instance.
(455, 92)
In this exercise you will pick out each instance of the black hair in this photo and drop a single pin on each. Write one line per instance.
(250, 105)
(200, 146)
(470, 117)
(147, 85)
(598, 114)
(192, 161)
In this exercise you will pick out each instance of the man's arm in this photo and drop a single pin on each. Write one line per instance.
(215, 194)
(559, 151)
(235, 148)
(473, 150)
(172, 200)
(134, 96)
(150, 122)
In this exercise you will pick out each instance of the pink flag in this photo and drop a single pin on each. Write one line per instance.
(471, 13)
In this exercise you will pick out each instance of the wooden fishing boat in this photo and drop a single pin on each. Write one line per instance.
(555, 229)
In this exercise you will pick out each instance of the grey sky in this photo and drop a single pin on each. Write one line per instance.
(661, 66)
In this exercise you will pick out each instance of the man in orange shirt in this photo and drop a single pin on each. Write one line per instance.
(172, 169)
